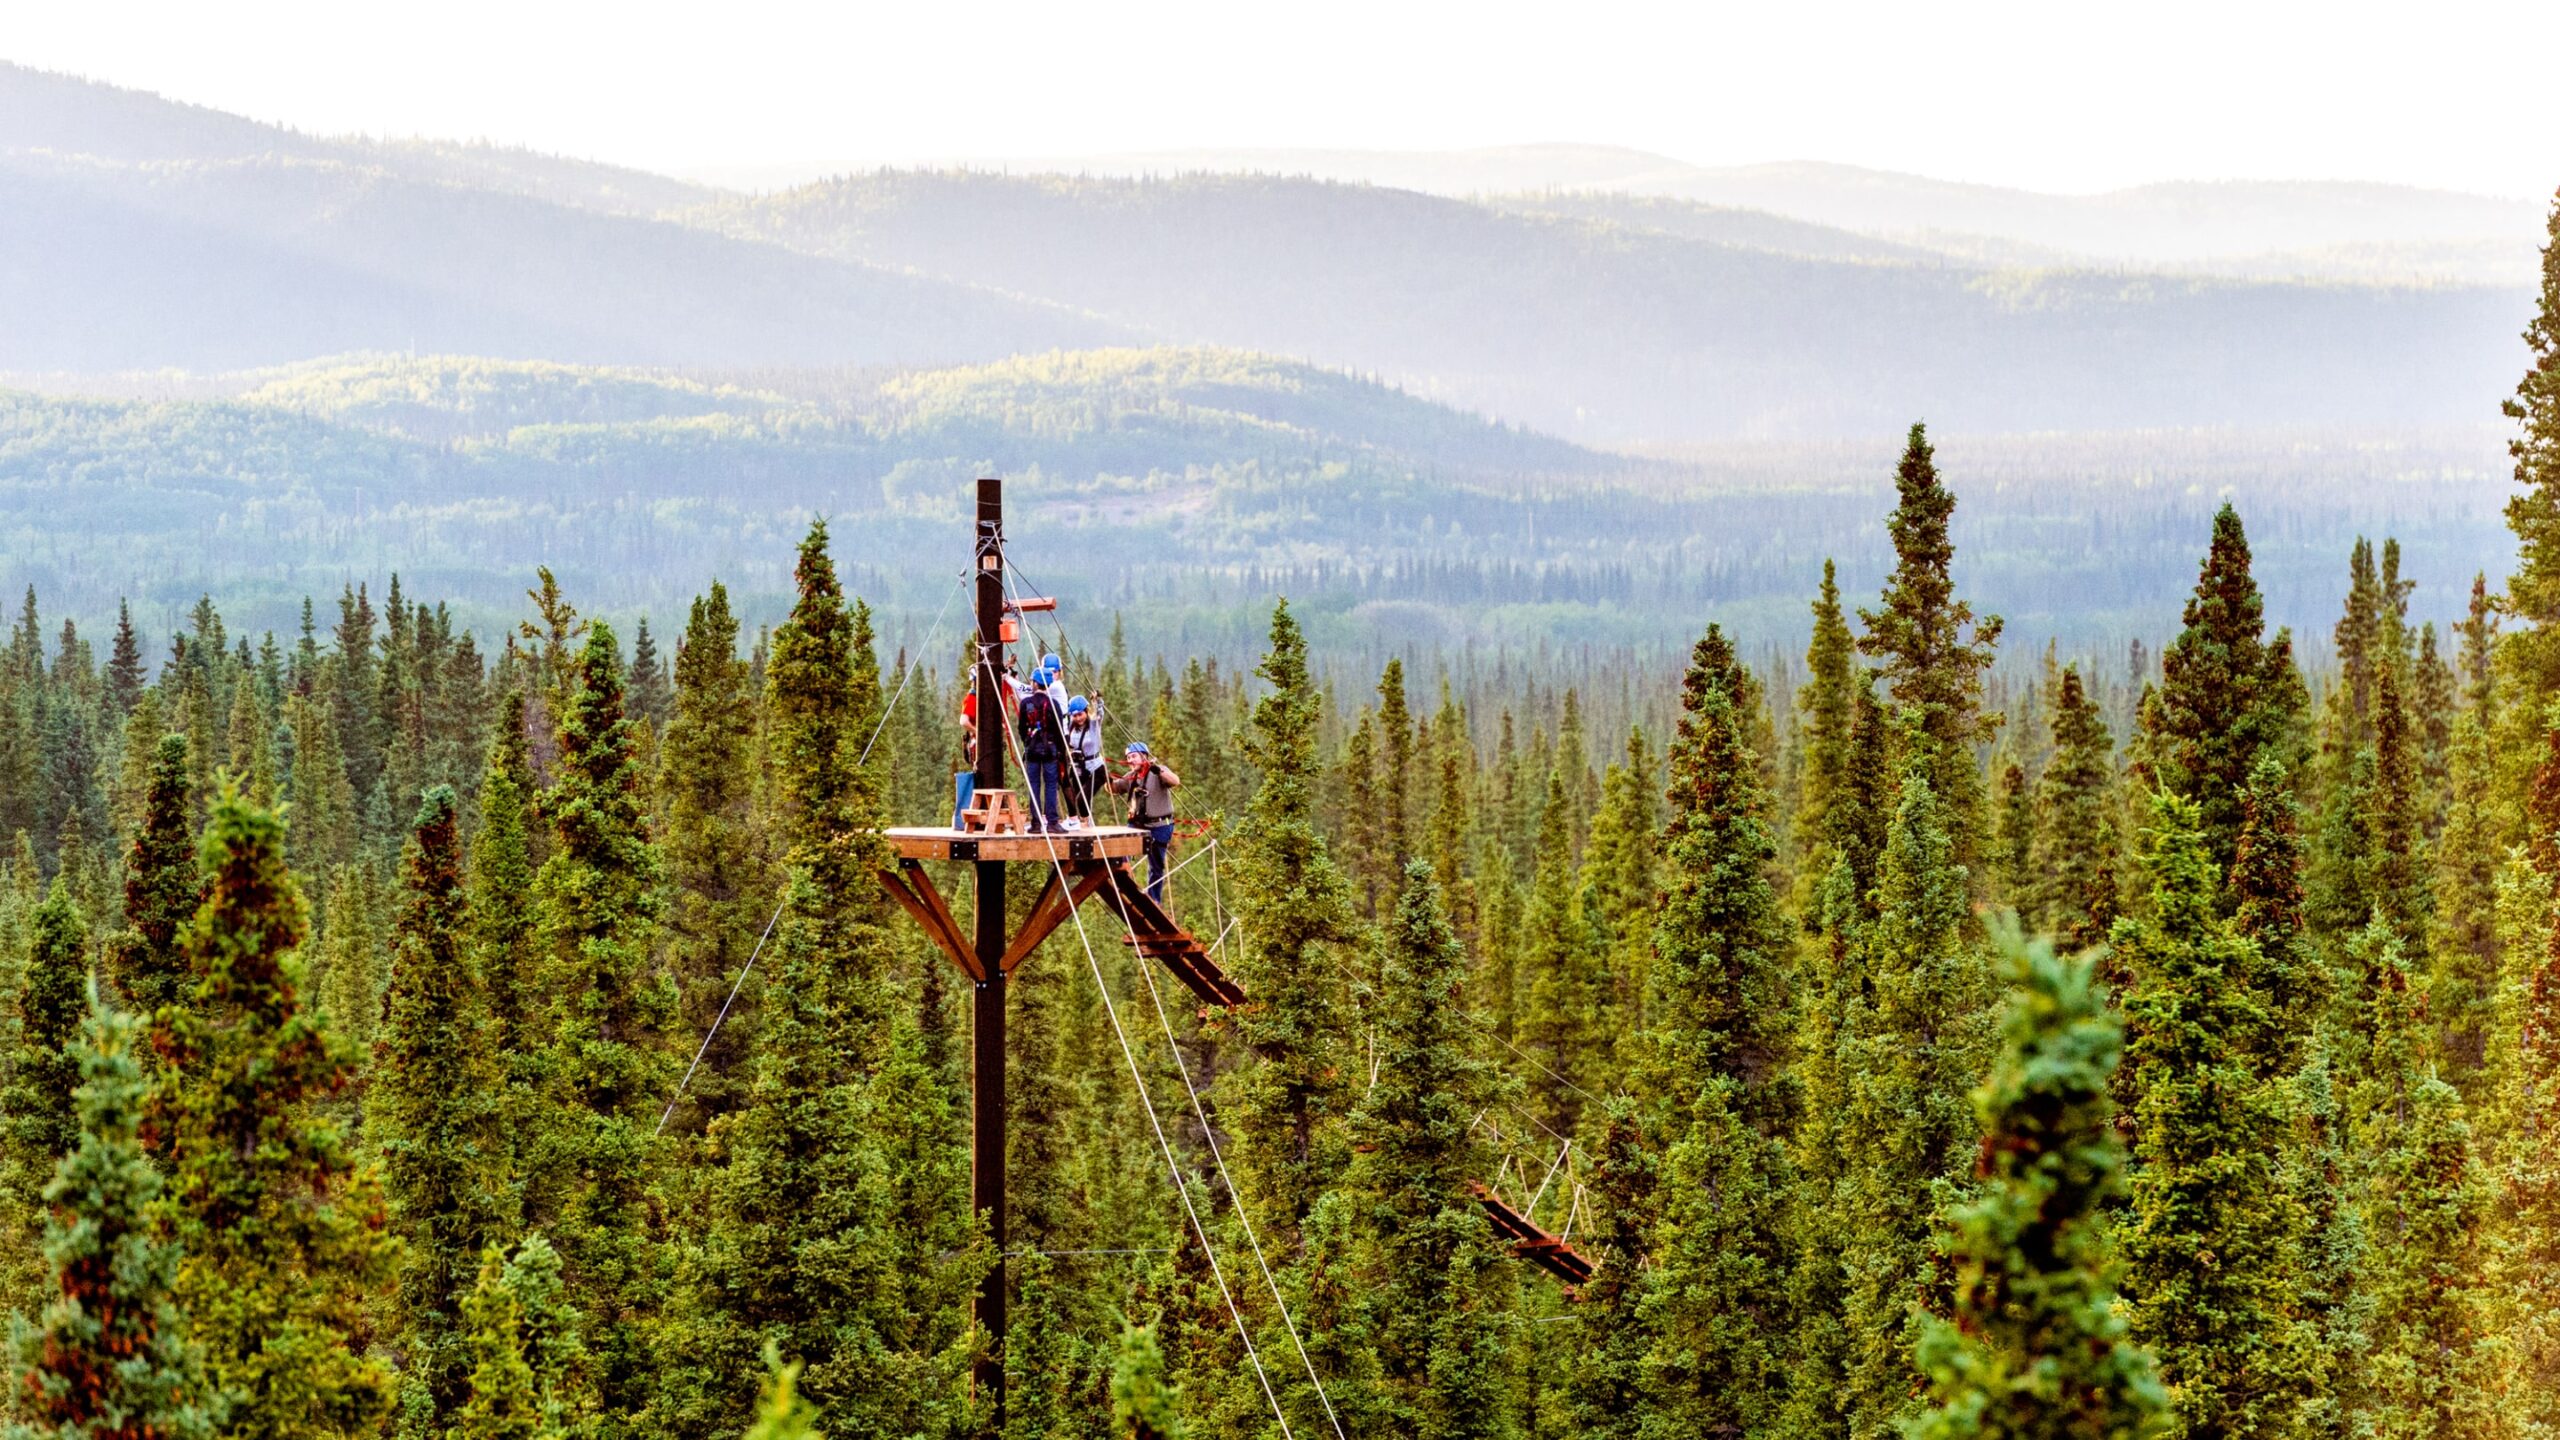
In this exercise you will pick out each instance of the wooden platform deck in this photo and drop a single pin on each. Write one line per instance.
(1106, 842)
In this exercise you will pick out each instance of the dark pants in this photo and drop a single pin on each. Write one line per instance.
(1044, 792)
(1159, 844)
(1081, 783)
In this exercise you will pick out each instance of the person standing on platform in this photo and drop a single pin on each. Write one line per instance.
(1149, 784)
(1085, 770)
(1044, 751)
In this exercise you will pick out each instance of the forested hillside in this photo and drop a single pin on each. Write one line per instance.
(1178, 487)
(427, 1032)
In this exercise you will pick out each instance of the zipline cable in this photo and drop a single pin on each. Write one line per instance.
(1137, 1077)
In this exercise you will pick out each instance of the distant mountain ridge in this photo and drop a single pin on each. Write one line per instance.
(139, 233)
(2183, 222)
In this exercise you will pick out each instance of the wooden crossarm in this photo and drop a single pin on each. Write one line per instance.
(912, 888)
(1051, 910)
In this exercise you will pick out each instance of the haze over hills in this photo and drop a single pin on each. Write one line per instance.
(145, 234)
(2338, 229)
(1552, 394)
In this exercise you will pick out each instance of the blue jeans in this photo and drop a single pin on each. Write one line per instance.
(1159, 843)
(1044, 793)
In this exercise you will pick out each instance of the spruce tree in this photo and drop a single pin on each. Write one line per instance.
(1933, 652)
(1909, 1063)
(1855, 828)
(2013, 837)
(2035, 1349)
(2265, 887)
(1293, 901)
(1563, 1017)
(2396, 877)
(283, 1234)
(38, 1120)
(528, 1360)
(502, 1402)
(1723, 1018)
(598, 900)
(1143, 1405)
(124, 675)
(717, 904)
(433, 1107)
(1396, 775)
(2526, 1216)
(2226, 696)
(1826, 707)
(2430, 1361)
(109, 1356)
(160, 887)
(2076, 850)
(42, 1069)
(2533, 592)
(805, 1243)
(1432, 1291)
(2211, 1245)
(503, 922)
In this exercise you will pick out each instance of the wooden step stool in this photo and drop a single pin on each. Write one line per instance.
(994, 812)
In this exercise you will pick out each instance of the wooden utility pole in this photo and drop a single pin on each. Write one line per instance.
(986, 1171)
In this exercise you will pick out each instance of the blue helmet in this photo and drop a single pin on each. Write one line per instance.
(1076, 705)
(1049, 663)
(1137, 747)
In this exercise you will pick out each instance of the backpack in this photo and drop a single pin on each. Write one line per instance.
(1039, 729)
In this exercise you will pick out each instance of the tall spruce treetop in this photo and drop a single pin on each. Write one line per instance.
(599, 899)
(708, 785)
(1827, 704)
(1430, 1301)
(1294, 901)
(1720, 946)
(502, 918)
(2534, 591)
(284, 1238)
(109, 1356)
(600, 891)
(44, 1069)
(2035, 1349)
(160, 886)
(124, 675)
(1934, 652)
(821, 712)
(2211, 1247)
(823, 688)
(2074, 851)
(431, 1105)
(2225, 696)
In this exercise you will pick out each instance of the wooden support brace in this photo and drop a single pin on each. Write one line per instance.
(1051, 909)
(912, 888)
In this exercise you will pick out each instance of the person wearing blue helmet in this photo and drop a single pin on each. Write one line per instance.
(1085, 770)
(1149, 783)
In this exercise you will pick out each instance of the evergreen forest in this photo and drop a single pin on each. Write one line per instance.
(423, 1031)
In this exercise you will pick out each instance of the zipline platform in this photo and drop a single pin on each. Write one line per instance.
(1102, 842)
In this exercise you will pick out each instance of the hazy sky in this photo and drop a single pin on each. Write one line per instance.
(2054, 96)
